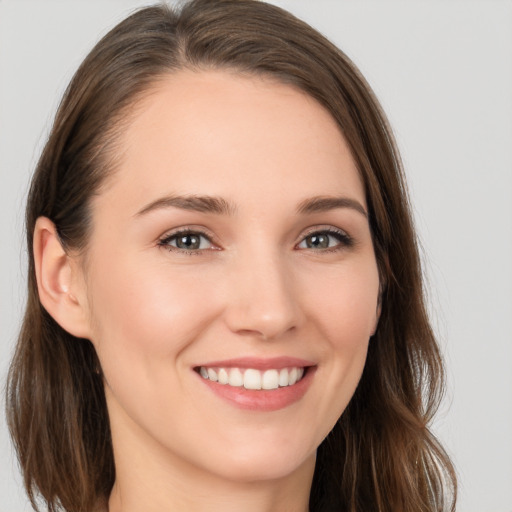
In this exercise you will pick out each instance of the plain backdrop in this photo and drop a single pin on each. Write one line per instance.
(443, 72)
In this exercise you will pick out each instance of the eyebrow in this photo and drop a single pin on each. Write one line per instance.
(325, 203)
(220, 206)
(204, 204)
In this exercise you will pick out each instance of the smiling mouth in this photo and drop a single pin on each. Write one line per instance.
(253, 379)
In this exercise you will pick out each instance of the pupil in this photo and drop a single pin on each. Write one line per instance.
(188, 242)
(319, 241)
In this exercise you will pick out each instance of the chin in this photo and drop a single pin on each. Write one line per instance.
(250, 468)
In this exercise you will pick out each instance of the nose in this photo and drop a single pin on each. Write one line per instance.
(261, 299)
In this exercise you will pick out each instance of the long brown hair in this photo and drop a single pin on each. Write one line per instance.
(380, 456)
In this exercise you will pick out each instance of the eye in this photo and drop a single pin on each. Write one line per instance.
(186, 241)
(327, 240)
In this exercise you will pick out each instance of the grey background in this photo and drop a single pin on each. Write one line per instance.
(443, 72)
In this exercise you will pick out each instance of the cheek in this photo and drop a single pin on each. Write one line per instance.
(145, 318)
(144, 312)
(344, 301)
(345, 309)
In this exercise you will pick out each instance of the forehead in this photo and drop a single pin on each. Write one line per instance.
(220, 133)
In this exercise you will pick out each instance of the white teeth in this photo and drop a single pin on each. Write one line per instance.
(236, 378)
(283, 377)
(270, 379)
(223, 376)
(251, 378)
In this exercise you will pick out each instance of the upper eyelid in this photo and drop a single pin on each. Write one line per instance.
(204, 231)
(187, 229)
(320, 229)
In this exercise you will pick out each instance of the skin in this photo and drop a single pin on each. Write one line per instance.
(253, 288)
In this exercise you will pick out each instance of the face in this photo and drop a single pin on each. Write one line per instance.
(230, 251)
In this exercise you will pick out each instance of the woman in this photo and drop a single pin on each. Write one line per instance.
(225, 302)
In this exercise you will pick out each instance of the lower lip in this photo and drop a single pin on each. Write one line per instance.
(262, 400)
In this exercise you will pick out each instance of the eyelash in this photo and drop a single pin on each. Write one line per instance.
(164, 242)
(345, 241)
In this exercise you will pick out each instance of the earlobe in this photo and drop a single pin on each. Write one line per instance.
(377, 318)
(378, 311)
(56, 280)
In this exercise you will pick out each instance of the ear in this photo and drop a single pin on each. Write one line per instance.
(379, 308)
(61, 289)
(377, 318)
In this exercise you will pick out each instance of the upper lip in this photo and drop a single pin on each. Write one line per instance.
(260, 363)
